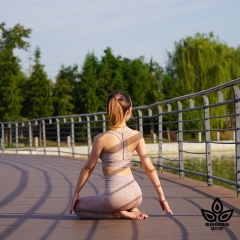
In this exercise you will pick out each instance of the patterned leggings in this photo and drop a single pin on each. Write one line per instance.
(121, 193)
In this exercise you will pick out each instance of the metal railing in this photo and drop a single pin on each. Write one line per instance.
(177, 121)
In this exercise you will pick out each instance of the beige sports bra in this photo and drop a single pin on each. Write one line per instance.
(122, 157)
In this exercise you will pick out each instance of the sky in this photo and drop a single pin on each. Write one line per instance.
(66, 30)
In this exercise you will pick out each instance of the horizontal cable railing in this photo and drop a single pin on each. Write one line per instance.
(181, 124)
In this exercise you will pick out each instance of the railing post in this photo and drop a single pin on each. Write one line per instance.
(16, 137)
(191, 103)
(44, 136)
(10, 134)
(36, 142)
(151, 126)
(73, 137)
(58, 136)
(180, 141)
(30, 136)
(199, 136)
(2, 139)
(220, 96)
(160, 160)
(21, 132)
(169, 109)
(218, 136)
(89, 142)
(237, 136)
(140, 122)
(104, 123)
(154, 138)
(69, 141)
(207, 140)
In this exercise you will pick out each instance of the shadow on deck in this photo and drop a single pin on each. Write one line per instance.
(36, 191)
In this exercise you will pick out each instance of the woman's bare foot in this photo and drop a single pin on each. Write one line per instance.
(131, 215)
(133, 210)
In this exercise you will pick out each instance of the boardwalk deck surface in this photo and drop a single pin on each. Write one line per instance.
(36, 191)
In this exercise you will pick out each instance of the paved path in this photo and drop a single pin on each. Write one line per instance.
(35, 195)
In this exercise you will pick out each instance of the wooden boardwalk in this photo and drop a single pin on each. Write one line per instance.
(36, 191)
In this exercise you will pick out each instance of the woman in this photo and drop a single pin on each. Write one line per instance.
(122, 194)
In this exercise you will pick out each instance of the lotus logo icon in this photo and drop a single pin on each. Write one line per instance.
(217, 213)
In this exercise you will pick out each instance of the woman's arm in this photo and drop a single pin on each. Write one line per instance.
(87, 170)
(151, 173)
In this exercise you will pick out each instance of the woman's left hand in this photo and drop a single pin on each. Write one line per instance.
(164, 205)
(74, 200)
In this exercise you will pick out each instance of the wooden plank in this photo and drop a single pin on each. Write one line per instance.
(36, 191)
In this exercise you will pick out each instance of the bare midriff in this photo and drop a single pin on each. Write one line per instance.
(123, 171)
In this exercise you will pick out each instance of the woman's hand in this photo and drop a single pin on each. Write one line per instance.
(74, 200)
(164, 204)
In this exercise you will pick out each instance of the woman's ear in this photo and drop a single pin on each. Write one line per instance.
(129, 113)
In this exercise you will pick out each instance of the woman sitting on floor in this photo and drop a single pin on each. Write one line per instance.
(122, 194)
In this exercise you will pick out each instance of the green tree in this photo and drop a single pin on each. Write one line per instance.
(141, 80)
(155, 79)
(169, 91)
(38, 102)
(71, 76)
(89, 100)
(235, 66)
(63, 99)
(169, 87)
(138, 84)
(109, 76)
(11, 77)
(200, 63)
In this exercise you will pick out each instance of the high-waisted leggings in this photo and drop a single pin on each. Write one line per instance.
(121, 193)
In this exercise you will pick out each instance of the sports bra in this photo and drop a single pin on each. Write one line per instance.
(122, 157)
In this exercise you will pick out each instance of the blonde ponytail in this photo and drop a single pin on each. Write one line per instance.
(117, 105)
(115, 113)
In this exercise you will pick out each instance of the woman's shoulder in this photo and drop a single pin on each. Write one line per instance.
(135, 135)
(99, 136)
(136, 132)
(102, 136)
(105, 134)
